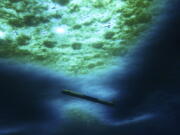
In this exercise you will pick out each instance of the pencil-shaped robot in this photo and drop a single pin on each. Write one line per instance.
(82, 96)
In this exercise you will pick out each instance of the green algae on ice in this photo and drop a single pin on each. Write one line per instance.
(72, 36)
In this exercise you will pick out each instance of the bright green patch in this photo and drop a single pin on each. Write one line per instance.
(74, 36)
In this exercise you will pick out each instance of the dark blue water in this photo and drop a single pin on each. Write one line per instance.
(147, 92)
